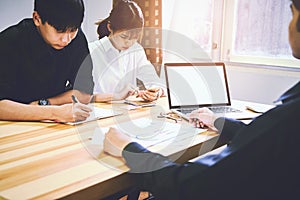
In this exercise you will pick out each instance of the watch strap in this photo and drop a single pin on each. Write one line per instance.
(43, 102)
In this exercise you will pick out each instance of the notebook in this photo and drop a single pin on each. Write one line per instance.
(98, 113)
(194, 85)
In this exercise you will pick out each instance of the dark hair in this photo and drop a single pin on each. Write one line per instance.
(102, 29)
(61, 14)
(296, 3)
(125, 15)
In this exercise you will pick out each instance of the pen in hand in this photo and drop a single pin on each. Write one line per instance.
(75, 100)
(80, 111)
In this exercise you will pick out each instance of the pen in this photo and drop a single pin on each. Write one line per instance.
(253, 109)
(75, 100)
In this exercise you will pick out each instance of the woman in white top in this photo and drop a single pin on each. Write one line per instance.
(119, 60)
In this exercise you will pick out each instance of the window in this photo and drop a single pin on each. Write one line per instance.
(192, 18)
(256, 32)
(240, 31)
(191, 24)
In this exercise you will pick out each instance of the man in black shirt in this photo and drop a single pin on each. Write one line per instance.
(45, 60)
(261, 160)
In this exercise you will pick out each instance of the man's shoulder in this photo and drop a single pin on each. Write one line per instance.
(80, 37)
(81, 33)
(22, 27)
(16, 35)
(79, 43)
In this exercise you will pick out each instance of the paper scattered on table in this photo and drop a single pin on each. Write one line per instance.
(148, 132)
(130, 107)
(97, 113)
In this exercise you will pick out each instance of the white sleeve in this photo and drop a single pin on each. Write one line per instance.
(146, 71)
(98, 64)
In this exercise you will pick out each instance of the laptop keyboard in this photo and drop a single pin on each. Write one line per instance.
(186, 110)
(218, 109)
(224, 109)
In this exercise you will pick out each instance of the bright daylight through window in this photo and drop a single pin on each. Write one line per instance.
(191, 18)
(256, 33)
(256, 23)
(241, 31)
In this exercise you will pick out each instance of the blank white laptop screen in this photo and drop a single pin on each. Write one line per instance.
(193, 84)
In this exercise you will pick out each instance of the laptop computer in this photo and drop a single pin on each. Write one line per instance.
(194, 85)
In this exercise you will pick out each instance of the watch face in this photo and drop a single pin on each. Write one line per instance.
(43, 102)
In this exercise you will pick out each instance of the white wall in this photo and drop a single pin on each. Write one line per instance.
(95, 10)
(11, 12)
(257, 84)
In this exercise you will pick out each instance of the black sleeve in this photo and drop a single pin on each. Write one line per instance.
(136, 155)
(8, 56)
(169, 180)
(258, 164)
(82, 79)
(164, 178)
(227, 129)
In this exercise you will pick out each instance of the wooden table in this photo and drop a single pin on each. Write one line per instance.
(41, 160)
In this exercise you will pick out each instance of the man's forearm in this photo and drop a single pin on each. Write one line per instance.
(158, 174)
(141, 160)
(103, 97)
(10, 110)
(66, 97)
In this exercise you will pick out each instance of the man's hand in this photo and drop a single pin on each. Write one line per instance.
(115, 141)
(203, 117)
(71, 112)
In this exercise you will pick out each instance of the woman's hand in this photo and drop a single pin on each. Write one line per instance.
(126, 92)
(150, 94)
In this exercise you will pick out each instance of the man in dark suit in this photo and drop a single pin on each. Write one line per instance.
(261, 160)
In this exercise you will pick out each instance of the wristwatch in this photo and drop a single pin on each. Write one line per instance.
(43, 102)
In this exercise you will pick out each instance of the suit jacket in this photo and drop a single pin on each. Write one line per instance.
(261, 161)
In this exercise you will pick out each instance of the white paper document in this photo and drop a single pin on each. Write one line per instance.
(148, 132)
(98, 113)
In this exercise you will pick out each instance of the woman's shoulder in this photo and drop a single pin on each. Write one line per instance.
(100, 45)
(93, 44)
(136, 48)
(137, 45)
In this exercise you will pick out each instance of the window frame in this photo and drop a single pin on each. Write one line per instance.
(228, 40)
